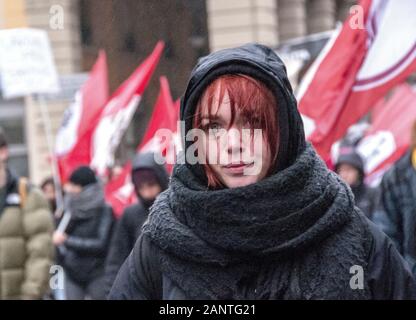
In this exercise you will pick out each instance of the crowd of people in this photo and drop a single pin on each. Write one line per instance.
(91, 248)
(293, 230)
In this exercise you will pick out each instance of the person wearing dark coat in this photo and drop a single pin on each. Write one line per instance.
(398, 202)
(350, 167)
(84, 244)
(149, 179)
(272, 223)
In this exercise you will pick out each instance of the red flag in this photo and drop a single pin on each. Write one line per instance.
(119, 111)
(120, 191)
(357, 67)
(389, 136)
(73, 140)
(164, 117)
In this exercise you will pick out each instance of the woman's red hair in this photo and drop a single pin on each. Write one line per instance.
(252, 100)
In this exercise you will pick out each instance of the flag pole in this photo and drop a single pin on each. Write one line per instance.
(48, 133)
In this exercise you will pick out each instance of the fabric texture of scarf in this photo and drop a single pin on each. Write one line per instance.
(214, 242)
(83, 204)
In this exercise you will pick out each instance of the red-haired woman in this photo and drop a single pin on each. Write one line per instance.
(253, 213)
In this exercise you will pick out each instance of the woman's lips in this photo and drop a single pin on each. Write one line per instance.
(236, 168)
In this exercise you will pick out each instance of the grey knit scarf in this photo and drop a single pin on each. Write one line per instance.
(294, 234)
(83, 204)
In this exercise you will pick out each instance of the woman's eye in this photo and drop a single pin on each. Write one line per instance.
(213, 128)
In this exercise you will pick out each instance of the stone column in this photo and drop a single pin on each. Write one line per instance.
(321, 15)
(12, 14)
(65, 39)
(292, 19)
(235, 22)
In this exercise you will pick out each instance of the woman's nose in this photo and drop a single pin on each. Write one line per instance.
(234, 144)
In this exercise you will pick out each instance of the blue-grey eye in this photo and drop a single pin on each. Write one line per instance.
(215, 129)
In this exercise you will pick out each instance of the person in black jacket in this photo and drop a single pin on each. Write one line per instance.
(149, 179)
(255, 214)
(350, 167)
(84, 244)
(397, 216)
(48, 188)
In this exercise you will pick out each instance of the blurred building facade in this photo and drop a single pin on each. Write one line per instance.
(128, 31)
(21, 118)
(234, 22)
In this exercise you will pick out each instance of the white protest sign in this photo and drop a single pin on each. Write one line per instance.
(26, 63)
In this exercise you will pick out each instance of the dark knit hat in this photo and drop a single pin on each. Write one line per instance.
(145, 176)
(349, 156)
(83, 176)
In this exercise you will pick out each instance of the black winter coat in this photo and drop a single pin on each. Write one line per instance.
(125, 235)
(87, 245)
(397, 216)
(366, 198)
(140, 277)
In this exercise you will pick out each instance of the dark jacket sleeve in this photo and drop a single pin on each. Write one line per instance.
(389, 274)
(387, 216)
(97, 244)
(139, 277)
(120, 248)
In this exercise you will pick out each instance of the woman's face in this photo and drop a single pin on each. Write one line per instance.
(238, 155)
(349, 174)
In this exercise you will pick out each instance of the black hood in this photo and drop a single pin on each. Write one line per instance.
(263, 64)
(147, 161)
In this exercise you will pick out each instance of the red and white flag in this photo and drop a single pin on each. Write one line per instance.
(73, 140)
(389, 135)
(359, 64)
(161, 134)
(120, 191)
(119, 111)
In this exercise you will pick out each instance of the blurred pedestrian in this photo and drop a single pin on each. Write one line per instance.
(149, 179)
(398, 203)
(26, 227)
(350, 167)
(86, 239)
(266, 221)
(48, 189)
